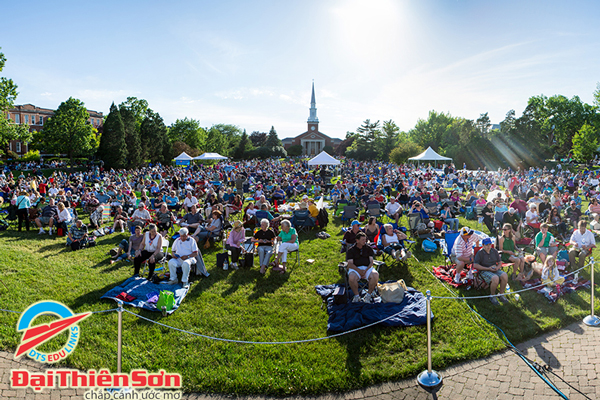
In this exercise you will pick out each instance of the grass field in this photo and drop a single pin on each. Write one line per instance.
(245, 305)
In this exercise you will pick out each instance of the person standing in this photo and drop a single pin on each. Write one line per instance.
(23, 205)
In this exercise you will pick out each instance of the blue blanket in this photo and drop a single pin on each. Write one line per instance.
(344, 317)
(145, 293)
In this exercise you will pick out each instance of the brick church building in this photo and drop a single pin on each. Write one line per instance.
(312, 141)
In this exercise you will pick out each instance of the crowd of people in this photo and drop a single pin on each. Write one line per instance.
(200, 201)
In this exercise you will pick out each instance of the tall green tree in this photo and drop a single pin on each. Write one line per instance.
(216, 142)
(113, 148)
(155, 142)
(189, 132)
(429, 133)
(272, 139)
(8, 129)
(483, 124)
(364, 146)
(232, 134)
(585, 143)
(258, 139)
(135, 157)
(596, 94)
(68, 131)
(139, 108)
(390, 133)
(244, 145)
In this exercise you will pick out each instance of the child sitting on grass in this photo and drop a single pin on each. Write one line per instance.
(550, 275)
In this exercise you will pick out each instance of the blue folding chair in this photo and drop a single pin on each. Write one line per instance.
(447, 244)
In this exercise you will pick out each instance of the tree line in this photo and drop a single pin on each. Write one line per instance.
(549, 127)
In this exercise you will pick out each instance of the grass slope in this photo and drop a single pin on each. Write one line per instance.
(245, 305)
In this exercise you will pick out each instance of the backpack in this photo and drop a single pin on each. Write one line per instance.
(429, 246)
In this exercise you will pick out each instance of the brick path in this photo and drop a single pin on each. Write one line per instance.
(572, 352)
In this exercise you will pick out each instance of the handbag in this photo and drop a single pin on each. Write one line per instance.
(221, 259)
(392, 292)
(165, 299)
(248, 260)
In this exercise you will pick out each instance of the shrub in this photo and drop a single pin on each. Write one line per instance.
(31, 155)
(404, 151)
(294, 151)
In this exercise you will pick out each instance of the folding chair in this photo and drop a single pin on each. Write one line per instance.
(374, 210)
(432, 209)
(414, 219)
(160, 264)
(348, 214)
(447, 244)
(302, 221)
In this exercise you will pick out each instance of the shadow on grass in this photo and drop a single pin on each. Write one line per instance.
(93, 297)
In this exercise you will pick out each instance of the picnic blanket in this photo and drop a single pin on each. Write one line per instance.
(344, 317)
(552, 294)
(144, 294)
(446, 273)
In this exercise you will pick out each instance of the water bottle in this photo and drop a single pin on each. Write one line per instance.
(517, 297)
(576, 278)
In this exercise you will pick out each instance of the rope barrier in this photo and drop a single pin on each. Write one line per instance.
(254, 342)
(11, 311)
(510, 293)
(93, 312)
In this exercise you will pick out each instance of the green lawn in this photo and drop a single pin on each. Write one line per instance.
(247, 306)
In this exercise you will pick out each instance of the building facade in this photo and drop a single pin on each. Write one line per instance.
(312, 141)
(36, 117)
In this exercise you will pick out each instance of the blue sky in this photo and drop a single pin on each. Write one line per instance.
(252, 63)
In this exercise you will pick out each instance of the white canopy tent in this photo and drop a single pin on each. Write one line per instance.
(429, 155)
(210, 156)
(323, 159)
(183, 157)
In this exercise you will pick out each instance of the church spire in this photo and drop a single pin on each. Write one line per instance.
(313, 106)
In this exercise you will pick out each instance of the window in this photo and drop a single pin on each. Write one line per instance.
(18, 147)
(18, 118)
(41, 120)
(27, 119)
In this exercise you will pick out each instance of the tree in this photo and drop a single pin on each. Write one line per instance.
(404, 151)
(139, 108)
(216, 142)
(596, 94)
(232, 135)
(483, 124)
(388, 139)
(188, 131)
(68, 131)
(113, 148)
(133, 142)
(585, 143)
(155, 141)
(272, 139)
(180, 147)
(258, 139)
(296, 150)
(8, 129)
(429, 133)
(244, 145)
(364, 145)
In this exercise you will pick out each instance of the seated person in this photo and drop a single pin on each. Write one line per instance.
(531, 217)
(47, 216)
(120, 219)
(487, 262)
(192, 219)
(214, 226)
(371, 230)
(64, 217)
(520, 206)
(235, 205)
(189, 201)
(583, 242)
(150, 249)
(265, 238)
(448, 217)
(102, 197)
(545, 243)
(77, 235)
(250, 215)
(164, 219)
(393, 209)
(278, 195)
(349, 238)
(371, 203)
(140, 217)
(573, 213)
(462, 251)
(128, 247)
(550, 275)
(506, 244)
(172, 201)
(96, 217)
(313, 210)
(391, 241)
(417, 207)
(184, 252)
(288, 238)
(512, 217)
(234, 242)
(360, 266)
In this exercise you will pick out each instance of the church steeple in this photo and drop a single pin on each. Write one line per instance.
(313, 107)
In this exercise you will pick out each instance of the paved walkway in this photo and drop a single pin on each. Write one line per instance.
(572, 352)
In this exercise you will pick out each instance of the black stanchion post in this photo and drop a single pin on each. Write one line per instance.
(592, 320)
(429, 379)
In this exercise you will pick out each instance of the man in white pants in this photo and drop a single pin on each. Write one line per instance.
(184, 251)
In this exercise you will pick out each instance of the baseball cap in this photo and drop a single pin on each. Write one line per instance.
(511, 210)
(487, 241)
(466, 231)
(355, 222)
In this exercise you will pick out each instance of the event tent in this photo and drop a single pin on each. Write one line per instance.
(429, 155)
(323, 159)
(210, 156)
(183, 157)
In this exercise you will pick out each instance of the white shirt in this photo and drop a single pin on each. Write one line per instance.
(152, 245)
(531, 217)
(190, 202)
(186, 248)
(392, 208)
(141, 214)
(587, 239)
(64, 216)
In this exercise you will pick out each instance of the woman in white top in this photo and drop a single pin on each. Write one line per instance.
(150, 249)
(390, 241)
(64, 217)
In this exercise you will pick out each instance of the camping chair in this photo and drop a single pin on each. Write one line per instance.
(362, 283)
(302, 221)
(498, 219)
(479, 213)
(447, 244)
(297, 251)
(348, 214)
(432, 209)
(160, 264)
(414, 219)
(374, 210)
